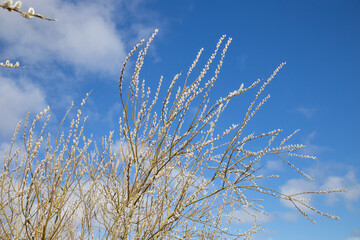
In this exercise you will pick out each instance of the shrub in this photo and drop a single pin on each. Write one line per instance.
(172, 177)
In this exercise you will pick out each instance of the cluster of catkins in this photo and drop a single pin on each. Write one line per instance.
(8, 4)
(10, 65)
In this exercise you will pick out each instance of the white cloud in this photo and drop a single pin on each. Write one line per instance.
(86, 34)
(307, 112)
(353, 238)
(83, 35)
(290, 216)
(240, 216)
(118, 145)
(311, 148)
(294, 186)
(16, 101)
(274, 165)
(89, 35)
(348, 182)
(327, 180)
(356, 231)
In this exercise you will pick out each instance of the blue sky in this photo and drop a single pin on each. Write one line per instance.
(316, 91)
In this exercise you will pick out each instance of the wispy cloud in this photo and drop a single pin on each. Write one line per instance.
(356, 231)
(311, 148)
(16, 100)
(242, 217)
(290, 216)
(274, 165)
(241, 62)
(307, 112)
